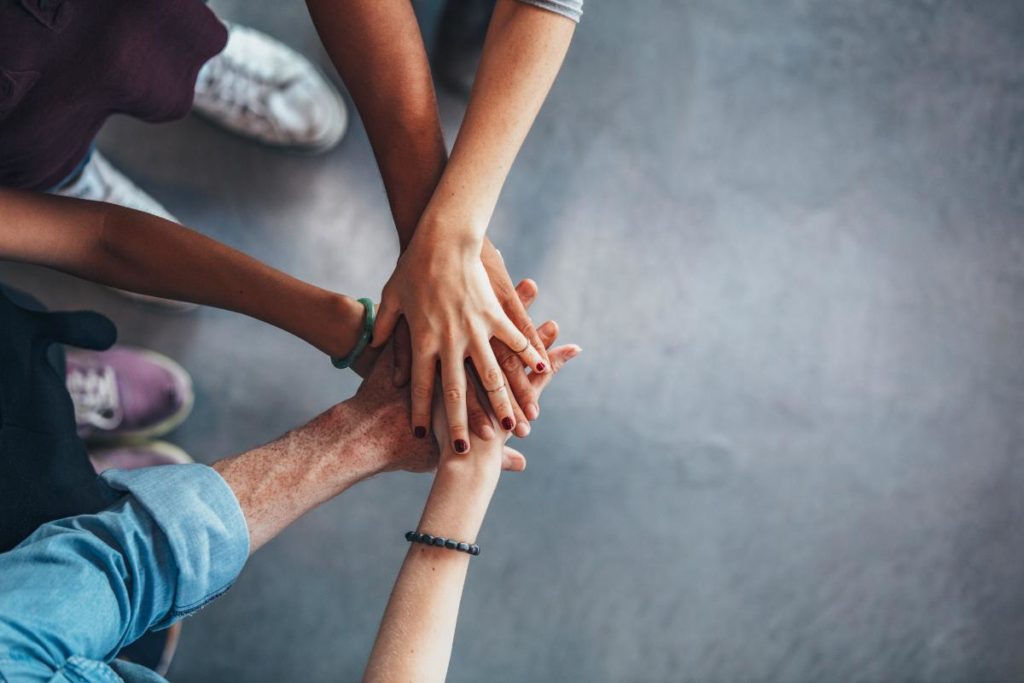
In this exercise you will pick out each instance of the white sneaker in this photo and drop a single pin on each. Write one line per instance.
(101, 182)
(262, 89)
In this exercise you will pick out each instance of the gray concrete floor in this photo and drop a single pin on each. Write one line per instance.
(788, 236)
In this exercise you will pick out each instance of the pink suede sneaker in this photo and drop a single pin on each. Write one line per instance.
(127, 393)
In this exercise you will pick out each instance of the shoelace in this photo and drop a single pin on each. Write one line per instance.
(94, 394)
(107, 186)
(239, 83)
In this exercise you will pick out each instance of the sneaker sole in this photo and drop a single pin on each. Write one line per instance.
(177, 455)
(168, 648)
(169, 423)
(155, 302)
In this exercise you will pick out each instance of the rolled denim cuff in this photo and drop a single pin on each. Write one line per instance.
(204, 525)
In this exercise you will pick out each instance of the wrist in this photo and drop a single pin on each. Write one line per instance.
(341, 325)
(474, 472)
(451, 233)
(458, 500)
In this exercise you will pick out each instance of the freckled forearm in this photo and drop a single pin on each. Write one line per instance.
(277, 483)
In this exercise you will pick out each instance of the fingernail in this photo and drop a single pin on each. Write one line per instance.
(461, 446)
(420, 432)
(532, 411)
(540, 367)
(523, 430)
(508, 424)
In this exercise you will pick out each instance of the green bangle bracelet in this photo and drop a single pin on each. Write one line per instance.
(364, 338)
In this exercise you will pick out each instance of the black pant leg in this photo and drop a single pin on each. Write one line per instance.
(45, 472)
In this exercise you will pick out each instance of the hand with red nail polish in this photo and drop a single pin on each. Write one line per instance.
(378, 412)
(441, 287)
(488, 454)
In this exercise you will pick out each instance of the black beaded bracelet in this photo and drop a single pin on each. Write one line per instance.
(442, 542)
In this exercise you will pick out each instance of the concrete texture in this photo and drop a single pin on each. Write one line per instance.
(789, 237)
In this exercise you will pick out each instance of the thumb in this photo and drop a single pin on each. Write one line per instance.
(402, 371)
(560, 355)
(387, 318)
(512, 460)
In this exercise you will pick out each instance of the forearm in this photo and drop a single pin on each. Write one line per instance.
(135, 251)
(523, 52)
(277, 483)
(416, 634)
(377, 48)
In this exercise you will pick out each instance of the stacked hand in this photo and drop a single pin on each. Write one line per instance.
(490, 453)
(459, 304)
(386, 407)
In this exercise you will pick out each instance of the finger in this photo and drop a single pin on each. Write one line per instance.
(522, 390)
(560, 355)
(479, 420)
(522, 429)
(424, 367)
(387, 317)
(367, 362)
(519, 415)
(524, 399)
(527, 291)
(492, 379)
(548, 333)
(518, 382)
(563, 354)
(512, 460)
(508, 333)
(402, 349)
(453, 386)
(516, 312)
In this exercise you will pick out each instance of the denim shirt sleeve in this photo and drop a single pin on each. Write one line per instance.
(572, 9)
(78, 589)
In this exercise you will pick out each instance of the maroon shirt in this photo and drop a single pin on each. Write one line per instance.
(67, 65)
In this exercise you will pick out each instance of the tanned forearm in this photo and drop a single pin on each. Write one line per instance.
(138, 252)
(377, 48)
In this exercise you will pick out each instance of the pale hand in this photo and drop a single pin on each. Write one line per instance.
(446, 296)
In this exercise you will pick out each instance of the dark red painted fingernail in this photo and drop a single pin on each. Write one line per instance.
(420, 432)
(508, 424)
(540, 367)
(461, 446)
